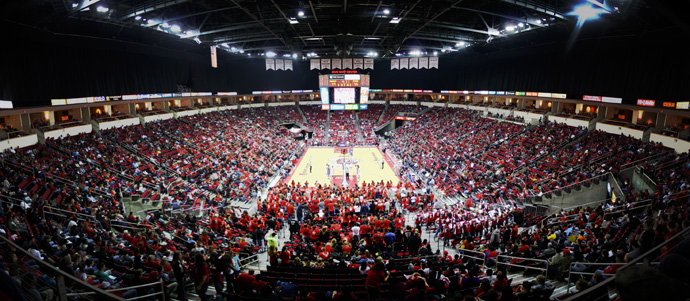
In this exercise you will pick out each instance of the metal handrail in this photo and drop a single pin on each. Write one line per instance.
(544, 261)
(61, 275)
(638, 162)
(574, 184)
(685, 232)
(478, 255)
(572, 264)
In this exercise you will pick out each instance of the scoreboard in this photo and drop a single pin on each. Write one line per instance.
(344, 80)
(344, 91)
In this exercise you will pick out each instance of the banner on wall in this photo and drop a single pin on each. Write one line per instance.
(357, 64)
(423, 63)
(433, 62)
(347, 63)
(395, 64)
(403, 63)
(414, 62)
(214, 57)
(280, 64)
(325, 63)
(288, 65)
(368, 63)
(314, 64)
(336, 64)
(270, 64)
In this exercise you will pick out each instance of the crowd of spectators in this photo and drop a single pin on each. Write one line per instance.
(359, 231)
(368, 120)
(63, 199)
(317, 122)
(342, 129)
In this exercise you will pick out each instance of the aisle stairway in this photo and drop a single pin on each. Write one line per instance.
(358, 127)
(301, 113)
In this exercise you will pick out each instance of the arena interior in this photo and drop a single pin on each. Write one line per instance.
(344, 150)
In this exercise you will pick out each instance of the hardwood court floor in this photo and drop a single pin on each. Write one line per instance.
(368, 158)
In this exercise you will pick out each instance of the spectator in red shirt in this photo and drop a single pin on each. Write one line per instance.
(202, 276)
(375, 277)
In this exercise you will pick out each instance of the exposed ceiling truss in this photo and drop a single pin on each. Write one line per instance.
(331, 27)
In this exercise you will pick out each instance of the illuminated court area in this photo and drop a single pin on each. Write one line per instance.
(330, 165)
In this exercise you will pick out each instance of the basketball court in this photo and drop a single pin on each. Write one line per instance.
(343, 166)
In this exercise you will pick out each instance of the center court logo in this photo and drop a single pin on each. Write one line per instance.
(348, 161)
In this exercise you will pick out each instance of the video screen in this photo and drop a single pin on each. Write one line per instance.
(344, 91)
(344, 95)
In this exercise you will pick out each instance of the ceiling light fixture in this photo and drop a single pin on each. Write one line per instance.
(415, 52)
(293, 21)
(270, 54)
(102, 9)
(386, 11)
(175, 28)
(137, 18)
(395, 20)
(585, 12)
(300, 13)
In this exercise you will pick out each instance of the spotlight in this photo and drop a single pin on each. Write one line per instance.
(386, 11)
(102, 9)
(300, 13)
(175, 28)
(435, 53)
(395, 20)
(270, 54)
(137, 18)
(521, 25)
(197, 40)
(415, 52)
(460, 44)
(293, 21)
(165, 25)
(510, 28)
(585, 12)
(294, 55)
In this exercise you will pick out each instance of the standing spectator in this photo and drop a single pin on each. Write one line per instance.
(202, 276)
(178, 272)
(375, 277)
(272, 241)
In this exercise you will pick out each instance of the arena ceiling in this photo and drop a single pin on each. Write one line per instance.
(334, 28)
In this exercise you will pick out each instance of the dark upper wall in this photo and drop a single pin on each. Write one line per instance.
(39, 66)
